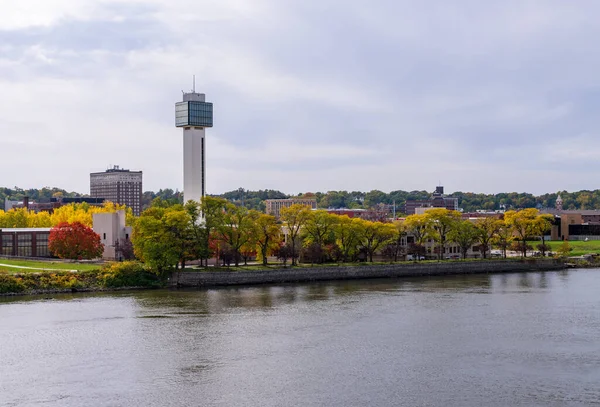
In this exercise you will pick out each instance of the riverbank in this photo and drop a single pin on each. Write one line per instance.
(114, 276)
(396, 270)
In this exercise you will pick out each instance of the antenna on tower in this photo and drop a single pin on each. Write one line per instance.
(194, 88)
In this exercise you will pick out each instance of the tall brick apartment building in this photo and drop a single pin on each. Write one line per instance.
(119, 186)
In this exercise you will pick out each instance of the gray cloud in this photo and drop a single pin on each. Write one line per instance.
(483, 94)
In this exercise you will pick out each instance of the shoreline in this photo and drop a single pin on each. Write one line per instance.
(205, 279)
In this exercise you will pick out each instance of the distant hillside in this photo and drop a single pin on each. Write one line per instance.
(469, 201)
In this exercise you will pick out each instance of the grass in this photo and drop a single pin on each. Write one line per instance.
(21, 266)
(579, 247)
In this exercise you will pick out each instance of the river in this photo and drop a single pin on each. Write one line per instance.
(530, 339)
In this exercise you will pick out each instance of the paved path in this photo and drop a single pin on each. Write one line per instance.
(34, 268)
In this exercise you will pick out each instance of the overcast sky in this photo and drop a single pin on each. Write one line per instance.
(482, 96)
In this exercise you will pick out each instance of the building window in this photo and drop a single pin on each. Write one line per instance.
(7, 245)
(41, 249)
(24, 245)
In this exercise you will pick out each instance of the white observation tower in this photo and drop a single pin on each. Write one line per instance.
(194, 114)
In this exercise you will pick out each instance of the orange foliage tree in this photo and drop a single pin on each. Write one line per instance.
(74, 241)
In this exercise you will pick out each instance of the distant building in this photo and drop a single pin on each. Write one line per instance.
(118, 185)
(274, 205)
(437, 200)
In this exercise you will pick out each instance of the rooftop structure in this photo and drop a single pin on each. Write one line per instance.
(437, 200)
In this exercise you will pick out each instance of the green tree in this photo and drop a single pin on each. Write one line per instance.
(319, 227)
(464, 234)
(441, 222)
(154, 239)
(372, 235)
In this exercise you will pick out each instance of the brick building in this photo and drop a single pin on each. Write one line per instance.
(120, 186)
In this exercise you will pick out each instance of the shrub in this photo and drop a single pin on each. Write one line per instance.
(10, 284)
(127, 274)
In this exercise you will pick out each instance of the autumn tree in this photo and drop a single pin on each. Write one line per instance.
(503, 237)
(213, 210)
(236, 229)
(267, 236)
(372, 235)
(347, 236)
(488, 228)
(74, 241)
(294, 218)
(542, 224)
(417, 225)
(523, 224)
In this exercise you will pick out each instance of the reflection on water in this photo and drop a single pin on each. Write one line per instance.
(495, 340)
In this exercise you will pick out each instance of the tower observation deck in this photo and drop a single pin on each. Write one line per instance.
(194, 115)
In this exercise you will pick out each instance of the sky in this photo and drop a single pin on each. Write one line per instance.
(480, 96)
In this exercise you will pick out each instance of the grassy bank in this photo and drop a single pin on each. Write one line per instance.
(25, 266)
(579, 247)
(109, 276)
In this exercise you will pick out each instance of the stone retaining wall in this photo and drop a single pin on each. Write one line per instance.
(224, 278)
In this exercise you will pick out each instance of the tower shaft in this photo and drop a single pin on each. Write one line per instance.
(194, 164)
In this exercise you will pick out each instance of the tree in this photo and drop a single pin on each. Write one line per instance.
(504, 237)
(395, 247)
(236, 229)
(441, 222)
(543, 225)
(417, 226)
(565, 249)
(464, 234)
(213, 211)
(346, 233)
(285, 252)
(267, 236)
(320, 226)
(124, 249)
(523, 224)
(294, 218)
(162, 237)
(373, 235)
(488, 228)
(74, 241)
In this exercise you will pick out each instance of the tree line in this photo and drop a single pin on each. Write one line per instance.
(468, 201)
(169, 236)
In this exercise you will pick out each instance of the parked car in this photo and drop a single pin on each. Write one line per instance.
(411, 257)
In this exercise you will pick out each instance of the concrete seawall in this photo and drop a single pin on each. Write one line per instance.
(300, 274)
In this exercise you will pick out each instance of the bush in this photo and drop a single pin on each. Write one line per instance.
(10, 284)
(127, 274)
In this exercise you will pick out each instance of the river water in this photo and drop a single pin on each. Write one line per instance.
(483, 340)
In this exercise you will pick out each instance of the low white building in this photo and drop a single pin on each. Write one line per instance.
(113, 232)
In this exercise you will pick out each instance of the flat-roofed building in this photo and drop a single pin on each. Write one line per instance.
(24, 242)
(119, 186)
(273, 206)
